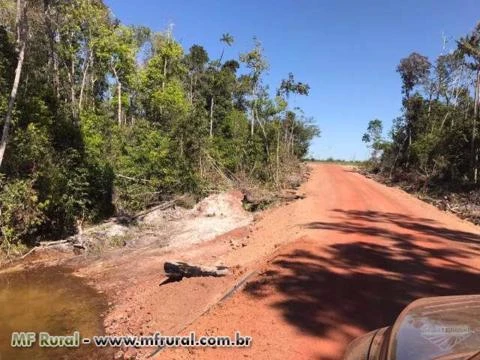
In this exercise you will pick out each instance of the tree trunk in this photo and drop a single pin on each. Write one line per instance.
(396, 158)
(277, 175)
(21, 43)
(429, 106)
(191, 89)
(221, 56)
(164, 74)
(119, 110)
(56, 75)
(254, 105)
(211, 116)
(119, 94)
(474, 153)
(252, 124)
(52, 39)
(82, 87)
(257, 119)
(72, 89)
(285, 136)
(92, 78)
(292, 138)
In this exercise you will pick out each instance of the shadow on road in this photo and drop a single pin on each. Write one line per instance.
(423, 226)
(365, 280)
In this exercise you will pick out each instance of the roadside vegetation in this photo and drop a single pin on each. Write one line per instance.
(98, 118)
(433, 147)
(331, 160)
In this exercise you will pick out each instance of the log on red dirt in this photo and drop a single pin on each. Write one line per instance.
(179, 270)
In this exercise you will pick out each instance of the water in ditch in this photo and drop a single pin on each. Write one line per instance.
(54, 301)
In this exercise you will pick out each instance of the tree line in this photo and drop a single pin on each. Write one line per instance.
(99, 118)
(436, 136)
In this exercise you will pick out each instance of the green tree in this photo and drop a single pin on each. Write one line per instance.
(373, 137)
(469, 46)
(103, 118)
(257, 64)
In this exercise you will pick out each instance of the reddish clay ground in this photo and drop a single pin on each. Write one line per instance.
(344, 260)
(354, 254)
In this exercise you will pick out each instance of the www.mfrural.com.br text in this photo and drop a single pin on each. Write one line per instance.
(75, 340)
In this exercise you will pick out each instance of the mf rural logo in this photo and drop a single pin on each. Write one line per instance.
(446, 337)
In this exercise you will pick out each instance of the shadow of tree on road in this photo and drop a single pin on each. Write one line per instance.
(365, 279)
(425, 226)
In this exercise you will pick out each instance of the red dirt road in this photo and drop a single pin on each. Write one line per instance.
(359, 253)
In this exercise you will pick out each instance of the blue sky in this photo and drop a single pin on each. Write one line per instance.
(346, 50)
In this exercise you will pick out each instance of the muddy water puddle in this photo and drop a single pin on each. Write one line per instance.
(49, 300)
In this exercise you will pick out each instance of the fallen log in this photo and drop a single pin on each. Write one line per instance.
(43, 245)
(53, 243)
(292, 197)
(178, 270)
(163, 206)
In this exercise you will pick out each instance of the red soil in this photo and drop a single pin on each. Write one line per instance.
(354, 254)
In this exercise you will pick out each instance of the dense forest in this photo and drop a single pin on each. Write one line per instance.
(436, 138)
(98, 118)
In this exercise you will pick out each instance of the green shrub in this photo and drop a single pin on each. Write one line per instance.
(21, 212)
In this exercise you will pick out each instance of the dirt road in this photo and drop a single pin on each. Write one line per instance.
(357, 253)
